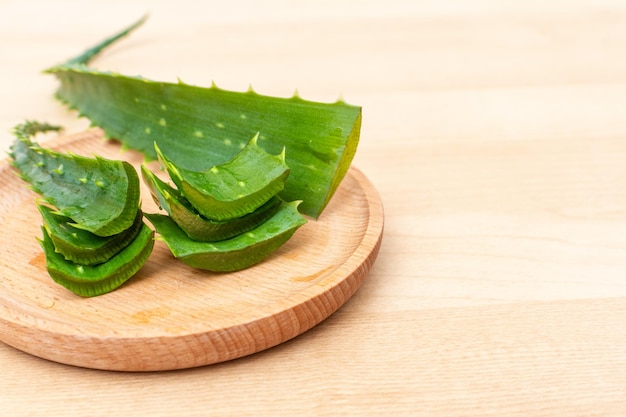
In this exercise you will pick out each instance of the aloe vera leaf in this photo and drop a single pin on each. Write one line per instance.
(99, 195)
(90, 281)
(235, 188)
(192, 223)
(81, 246)
(234, 254)
(200, 127)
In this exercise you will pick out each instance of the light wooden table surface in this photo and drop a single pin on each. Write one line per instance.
(495, 132)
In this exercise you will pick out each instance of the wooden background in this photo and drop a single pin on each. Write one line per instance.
(495, 132)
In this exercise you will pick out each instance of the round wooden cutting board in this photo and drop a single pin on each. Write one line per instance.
(170, 316)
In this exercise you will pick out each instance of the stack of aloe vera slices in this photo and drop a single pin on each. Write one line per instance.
(94, 237)
(227, 217)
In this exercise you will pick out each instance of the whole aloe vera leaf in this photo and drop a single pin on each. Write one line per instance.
(99, 195)
(200, 127)
(192, 223)
(81, 246)
(235, 188)
(90, 281)
(234, 254)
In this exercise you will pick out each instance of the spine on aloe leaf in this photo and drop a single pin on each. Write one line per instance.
(199, 127)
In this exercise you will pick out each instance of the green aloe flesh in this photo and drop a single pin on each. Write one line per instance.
(193, 223)
(89, 281)
(201, 127)
(81, 246)
(235, 188)
(234, 254)
(99, 195)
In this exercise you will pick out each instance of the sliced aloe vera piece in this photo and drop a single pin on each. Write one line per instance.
(81, 246)
(235, 188)
(199, 127)
(233, 254)
(195, 225)
(99, 195)
(90, 281)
